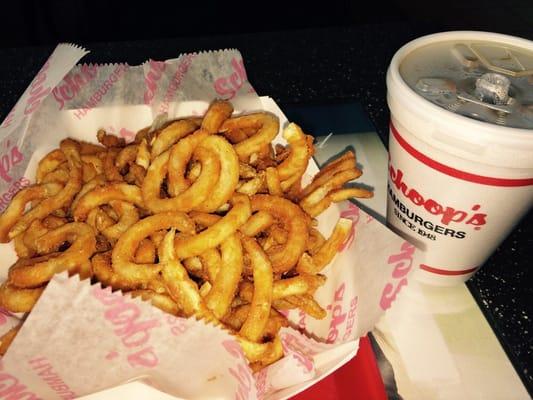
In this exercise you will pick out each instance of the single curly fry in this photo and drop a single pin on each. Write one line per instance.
(252, 186)
(126, 156)
(224, 188)
(33, 272)
(61, 199)
(182, 151)
(308, 305)
(7, 338)
(59, 175)
(88, 172)
(345, 162)
(294, 221)
(146, 252)
(49, 163)
(218, 112)
(111, 171)
(261, 354)
(315, 241)
(224, 287)
(246, 171)
(267, 126)
(91, 148)
(124, 251)
(191, 197)
(109, 140)
(273, 182)
(103, 195)
(182, 289)
(335, 196)
(179, 156)
(143, 155)
(328, 250)
(344, 194)
(162, 301)
(16, 299)
(171, 134)
(128, 215)
(103, 271)
(296, 285)
(211, 263)
(255, 323)
(98, 180)
(322, 191)
(294, 166)
(14, 212)
(95, 161)
(20, 247)
(99, 219)
(257, 223)
(217, 233)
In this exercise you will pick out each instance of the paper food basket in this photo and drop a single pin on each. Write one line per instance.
(81, 339)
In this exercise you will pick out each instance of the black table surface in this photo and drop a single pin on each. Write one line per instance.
(324, 66)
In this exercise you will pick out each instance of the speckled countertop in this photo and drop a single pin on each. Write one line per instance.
(321, 66)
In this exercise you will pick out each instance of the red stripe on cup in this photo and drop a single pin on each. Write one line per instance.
(465, 176)
(441, 271)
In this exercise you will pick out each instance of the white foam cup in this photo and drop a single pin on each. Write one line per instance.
(457, 185)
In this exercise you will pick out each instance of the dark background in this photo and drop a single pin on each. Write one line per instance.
(30, 23)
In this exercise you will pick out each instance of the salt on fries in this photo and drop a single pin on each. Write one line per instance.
(202, 217)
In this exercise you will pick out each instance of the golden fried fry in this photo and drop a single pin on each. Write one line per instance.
(294, 221)
(224, 287)
(49, 163)
(171, 134)
(294, 166)
(31, 273)
(14, 212)
(256, 321)
(267, 127)
(16, 300)
(7, 338)
(63, 198)
(123, 253)
(181, 288)
(217, 233)
(103, 195)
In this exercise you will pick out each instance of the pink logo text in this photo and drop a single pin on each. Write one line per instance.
(228, 86)
(73, 83)
(133, 332)
(402, 262)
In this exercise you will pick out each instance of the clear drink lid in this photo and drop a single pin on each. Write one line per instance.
(487, 81)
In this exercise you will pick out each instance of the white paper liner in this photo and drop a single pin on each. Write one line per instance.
(371, 268)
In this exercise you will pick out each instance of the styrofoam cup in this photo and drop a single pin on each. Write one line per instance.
(457, 186)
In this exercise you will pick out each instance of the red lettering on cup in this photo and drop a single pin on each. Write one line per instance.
(447, 214)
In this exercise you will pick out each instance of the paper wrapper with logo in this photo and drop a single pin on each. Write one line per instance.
(81, 339)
